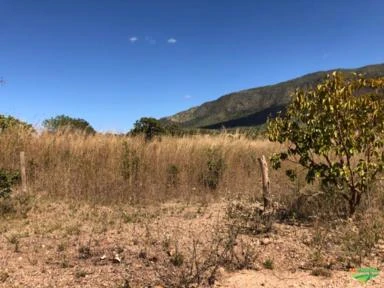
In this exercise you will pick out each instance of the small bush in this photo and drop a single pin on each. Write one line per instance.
(362, 235)
(17, 205)
(308, 205)
(5, 187)
(84, 252)
(172, 175)
(8, 178)
(268, 264)
(249, 217)
(7, 206)
(214, 169)
(14, 239)
(319, 242)
(80, 273)
(177, 259)
(202, 261)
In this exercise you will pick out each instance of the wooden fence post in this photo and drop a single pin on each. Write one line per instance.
(23, 173)
(265, 181)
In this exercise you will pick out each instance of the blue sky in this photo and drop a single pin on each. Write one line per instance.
(114, 61)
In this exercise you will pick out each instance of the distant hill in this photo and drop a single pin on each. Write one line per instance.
(252, 107)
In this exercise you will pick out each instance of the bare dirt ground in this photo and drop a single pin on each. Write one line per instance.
(287, 279)
(79, 245)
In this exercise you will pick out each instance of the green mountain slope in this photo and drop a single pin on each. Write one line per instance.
(253, 106)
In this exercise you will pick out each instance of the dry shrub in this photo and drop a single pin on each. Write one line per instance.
(307, 202)
(309, 205)
(202, 259)
(17, 205)
(249, 217)
(362, 234)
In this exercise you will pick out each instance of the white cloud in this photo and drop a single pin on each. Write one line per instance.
(172, 41)
(187, 96)
(133, 39)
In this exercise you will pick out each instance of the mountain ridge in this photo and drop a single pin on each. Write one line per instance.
(251, 107)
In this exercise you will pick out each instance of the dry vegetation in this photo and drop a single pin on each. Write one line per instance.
(113, 211)
(107, 168)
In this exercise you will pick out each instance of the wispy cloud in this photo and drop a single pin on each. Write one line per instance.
(151, 40)
(172, 41)
(133, 39)
(187, 96)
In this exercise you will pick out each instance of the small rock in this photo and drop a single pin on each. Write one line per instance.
(266, 241)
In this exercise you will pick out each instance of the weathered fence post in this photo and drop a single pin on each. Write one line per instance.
(265, 181)
(23, 173)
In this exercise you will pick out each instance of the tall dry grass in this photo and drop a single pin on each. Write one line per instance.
(110, 168)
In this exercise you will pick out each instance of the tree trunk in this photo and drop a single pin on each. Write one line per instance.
(354, 201)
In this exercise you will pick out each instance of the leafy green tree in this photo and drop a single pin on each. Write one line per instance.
(9, 122)
(63, 122)
(149, 127)
(173, 129)
(335, 130)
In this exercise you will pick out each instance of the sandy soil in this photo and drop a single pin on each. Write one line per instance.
(78, 245)
(286, 279)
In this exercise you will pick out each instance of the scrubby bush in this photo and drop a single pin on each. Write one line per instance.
(335, 131)
(17, 204)
(360, 237)
(7, 179)
(214, 169)
(9, 122)
(149, 127)
(63, 122)
(173, 175)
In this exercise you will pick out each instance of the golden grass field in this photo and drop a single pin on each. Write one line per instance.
(108, 168)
